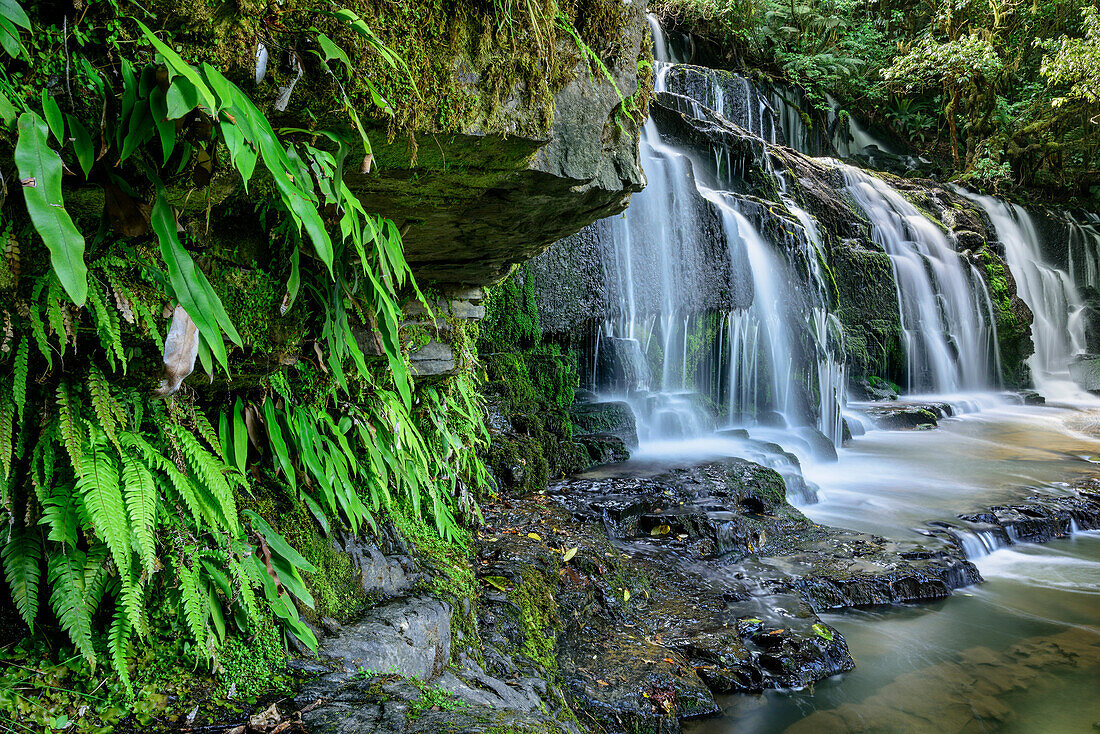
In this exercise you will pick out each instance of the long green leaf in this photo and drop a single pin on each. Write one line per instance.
(190, 284)
(40, 169)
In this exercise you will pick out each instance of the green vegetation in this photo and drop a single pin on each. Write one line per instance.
(532, 383)
(146, 515)
(1000, 94)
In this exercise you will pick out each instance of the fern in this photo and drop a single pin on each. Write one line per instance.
(202, 425)
(38, 327)
(19, 384)
(118, 644)
(70, 429)
(209, 470)
(98, 485)
(132, 601)
(60, 511)
(7, 428)
(22, 556)
(107, 409)
(56, 319)
(195, 602)
(141, 506)
(97, 575)
(66, 574)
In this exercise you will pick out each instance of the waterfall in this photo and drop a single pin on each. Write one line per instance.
(709, 311)
(948, 329)
(1057, 332)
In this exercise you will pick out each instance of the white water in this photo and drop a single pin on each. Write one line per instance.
(946, 314)
(1057, 331)
(661, 265)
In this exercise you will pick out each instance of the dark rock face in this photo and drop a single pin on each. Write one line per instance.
(613, 418)
(478, 201)
(1042, 519)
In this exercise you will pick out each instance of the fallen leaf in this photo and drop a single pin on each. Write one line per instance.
(569, 555)
(602, 683)
(498, 582)
(534, 536)
(660, 530)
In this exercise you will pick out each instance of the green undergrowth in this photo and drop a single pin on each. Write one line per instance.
(531, 382)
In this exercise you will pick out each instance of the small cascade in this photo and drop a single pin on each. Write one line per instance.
(1084, 250)
(1058, 331)
(946, 314)
(976, 542)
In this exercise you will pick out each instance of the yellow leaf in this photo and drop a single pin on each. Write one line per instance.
(534, 536)
(626, 595)
(660, 530)
(569, 555)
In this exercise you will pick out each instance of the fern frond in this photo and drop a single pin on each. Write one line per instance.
(206, 431)
(118, 644)
(7, 428)
(22, 556)
(141, 505)
(209, 471)
(60, 512)
(98, 485)
(97, 574)
(56, 319)
(132, 600)
(19, 382)
(38, 327)
(66, 574)
(71, 433)
(108, 410)
(196, 601)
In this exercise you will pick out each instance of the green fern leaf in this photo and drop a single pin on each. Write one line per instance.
(22, 369)
(60, 512)
(206, 431)
(56, 319)
(38, 330)
(132, 600)
(22, 556)
(70, 429)
(97, 574)
(118, 644)
(7, 428)
(209, 471)
(107, 409)
(98, 485)
(66, 575)
(141, 505)
(196, 602)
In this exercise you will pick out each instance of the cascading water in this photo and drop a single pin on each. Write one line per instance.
(1058, 331)
(946, 313)
(667, 251)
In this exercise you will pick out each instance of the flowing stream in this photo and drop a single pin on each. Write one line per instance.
(729, 376)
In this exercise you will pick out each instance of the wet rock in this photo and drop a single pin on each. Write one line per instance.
(604, 448)
(904, 415)
(872, 390)
(1085, 371)
(407, 637)
(1040, 519)
(613, 418)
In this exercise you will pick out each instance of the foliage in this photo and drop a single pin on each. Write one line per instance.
(999, 92)
(113, 502)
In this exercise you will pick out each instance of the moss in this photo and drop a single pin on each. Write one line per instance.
(538, 620)
(251, 667)
(335, 586)
(1013, 330)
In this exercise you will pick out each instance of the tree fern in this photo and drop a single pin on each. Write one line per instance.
(71, 433)
(131, 599)
(22, 556)
(98, 485)
(66, 574)
(141, 506)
